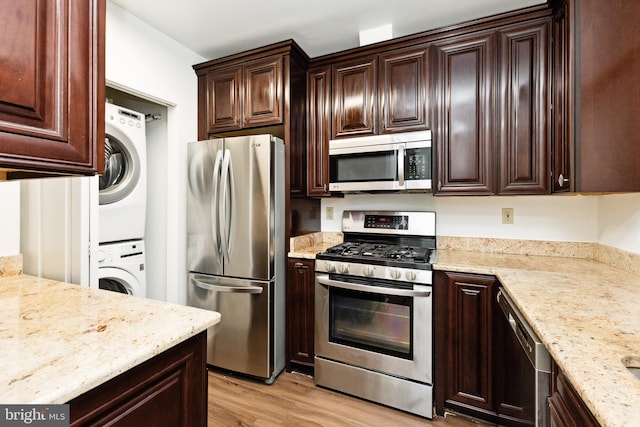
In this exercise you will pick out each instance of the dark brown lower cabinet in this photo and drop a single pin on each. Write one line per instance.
(168, 390)
(566, 409)
(480, 369)
(300, 315)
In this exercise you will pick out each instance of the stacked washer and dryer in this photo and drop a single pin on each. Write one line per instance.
(122, 206)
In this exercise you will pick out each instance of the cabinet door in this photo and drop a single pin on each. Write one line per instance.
(566, 408)
(403, 90)
(464, 357)
(464, 115)
(354, 92)
(223, 100)
(168, 390)
(263, 102)
(300, 314)
(562, 179)
(52, 86)
(318, 131)
(524, 99)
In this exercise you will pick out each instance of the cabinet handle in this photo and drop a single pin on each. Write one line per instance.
(562, 180)
(324, 187)
(298, 264)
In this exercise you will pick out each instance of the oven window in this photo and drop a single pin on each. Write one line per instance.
(372, 322)
(362, 167)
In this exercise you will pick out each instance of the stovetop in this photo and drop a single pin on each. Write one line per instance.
(366, 252)
(398, 246)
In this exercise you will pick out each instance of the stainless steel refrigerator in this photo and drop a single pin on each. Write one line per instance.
(235, 250)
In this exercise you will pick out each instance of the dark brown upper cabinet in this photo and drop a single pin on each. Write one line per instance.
(354, 90)
(464, 105)
(243, 96)
(52, 88)
(524, 113)
(263, 103)
(318, 130)
(595, 96)
(384, 93)
(491, 127)
(403, 90)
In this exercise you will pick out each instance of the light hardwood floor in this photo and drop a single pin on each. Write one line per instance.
(294, 400)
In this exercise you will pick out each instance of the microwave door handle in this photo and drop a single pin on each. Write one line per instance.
(324, 280)
(401, 166)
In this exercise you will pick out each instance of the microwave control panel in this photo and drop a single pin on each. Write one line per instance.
(417, 165)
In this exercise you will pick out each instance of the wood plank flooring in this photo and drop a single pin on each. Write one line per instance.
(293, 400)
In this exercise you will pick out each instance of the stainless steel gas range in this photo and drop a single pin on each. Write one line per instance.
(373, 305)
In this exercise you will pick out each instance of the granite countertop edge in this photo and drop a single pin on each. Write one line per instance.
(64, 340)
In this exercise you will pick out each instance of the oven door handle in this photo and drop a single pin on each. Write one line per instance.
(324, 280)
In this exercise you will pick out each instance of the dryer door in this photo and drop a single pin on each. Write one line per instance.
(118, 280)
(122, 166)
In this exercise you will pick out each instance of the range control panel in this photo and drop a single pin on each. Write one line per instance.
(394, 222)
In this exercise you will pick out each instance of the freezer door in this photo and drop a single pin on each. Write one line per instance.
(204, 250)
(247, 206)
(241, 342)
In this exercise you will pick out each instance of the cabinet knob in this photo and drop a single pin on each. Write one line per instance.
(562, 180)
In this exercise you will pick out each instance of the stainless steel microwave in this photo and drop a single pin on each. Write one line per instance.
(394, 162)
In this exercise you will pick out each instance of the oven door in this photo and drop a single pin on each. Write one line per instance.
(381, 328)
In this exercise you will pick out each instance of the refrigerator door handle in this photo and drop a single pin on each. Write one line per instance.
(227, 288)
(215, 218)
(225, 207)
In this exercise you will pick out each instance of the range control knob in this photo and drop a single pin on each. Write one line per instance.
(368, 271)
(395, 274)
(343, 268)
(331, 267)
(410, 275)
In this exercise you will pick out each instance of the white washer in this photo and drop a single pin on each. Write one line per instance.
(123, 186)
(121, 268)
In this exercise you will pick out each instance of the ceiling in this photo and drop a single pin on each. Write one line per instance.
(216, 28)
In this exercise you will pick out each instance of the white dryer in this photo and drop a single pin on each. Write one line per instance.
(123, 186)
(121, 268)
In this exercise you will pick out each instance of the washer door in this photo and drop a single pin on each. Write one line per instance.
(118, 280)
(122, 166)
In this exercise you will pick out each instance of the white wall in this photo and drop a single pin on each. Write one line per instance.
(9, 218)
(560, 218)
(140, 58)
(619, 221)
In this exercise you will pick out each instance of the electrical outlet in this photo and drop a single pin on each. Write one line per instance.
(329, 212)
(507, 215)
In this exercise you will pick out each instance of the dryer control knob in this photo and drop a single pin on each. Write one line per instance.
(101, 256)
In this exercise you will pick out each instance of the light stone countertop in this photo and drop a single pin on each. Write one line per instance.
(587, 314)
(59, 340)
(308, 245)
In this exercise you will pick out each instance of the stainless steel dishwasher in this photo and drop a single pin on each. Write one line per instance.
(535, 351)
